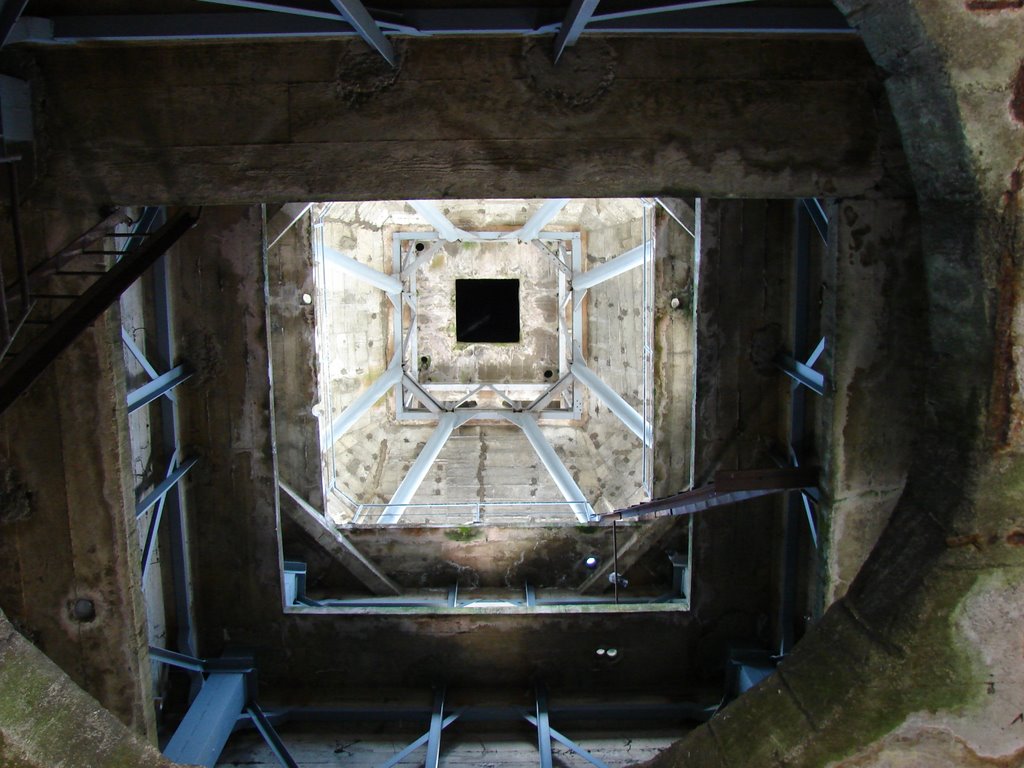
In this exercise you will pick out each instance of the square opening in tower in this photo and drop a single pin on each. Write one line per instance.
(487, 311)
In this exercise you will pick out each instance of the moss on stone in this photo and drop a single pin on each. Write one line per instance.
(463, 533)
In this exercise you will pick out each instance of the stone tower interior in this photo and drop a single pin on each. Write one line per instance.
(447, 382)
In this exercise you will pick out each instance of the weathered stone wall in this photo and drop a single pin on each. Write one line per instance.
(874, 311)
(917, 664)
(220, 123)
(675, 341)
(67, 509)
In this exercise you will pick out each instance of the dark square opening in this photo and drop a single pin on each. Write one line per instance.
(487, 311)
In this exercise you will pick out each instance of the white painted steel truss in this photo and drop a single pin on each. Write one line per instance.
(523, 404)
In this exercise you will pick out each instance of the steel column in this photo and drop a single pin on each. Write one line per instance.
(391, 376)
(611, 268)
(355, 13)
(173, 502)
(797, 429)
(543, 728)
(612, 399)
(434, 735)
(565, 482)
(361, 271)
(206, 727)
(446, 424)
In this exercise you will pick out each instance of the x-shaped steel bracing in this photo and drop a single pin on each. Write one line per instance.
(573, 283)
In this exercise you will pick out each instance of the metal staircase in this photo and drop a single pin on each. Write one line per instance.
(47, 307)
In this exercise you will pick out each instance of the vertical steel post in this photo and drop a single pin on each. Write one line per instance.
(436, 726)
(543, 727)
(19, 239)
(797, 426)
(173, 507)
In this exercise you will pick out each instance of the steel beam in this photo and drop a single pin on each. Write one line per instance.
(612, 268)
(529, 232)
(565, 741)
(325, 533)
(363, 272)
(20, 373)
(818, 216)
(563, 479)
(355, 13)
(161, 385)
(612, 399)
(576, 19)
(165, 485)
(139, 355)
(555, 390)
(446, 424)
(391, 376)
(10, 12)
(682, 213)
(541, 218)
(655, 8)
(426, 22)
(206, 727)
(400, 756)
(257, 5)
(270, 736)
(802, 374)
(722, 16)
(289, 214)
(179, 660)
(154, 522)
(445, 229)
